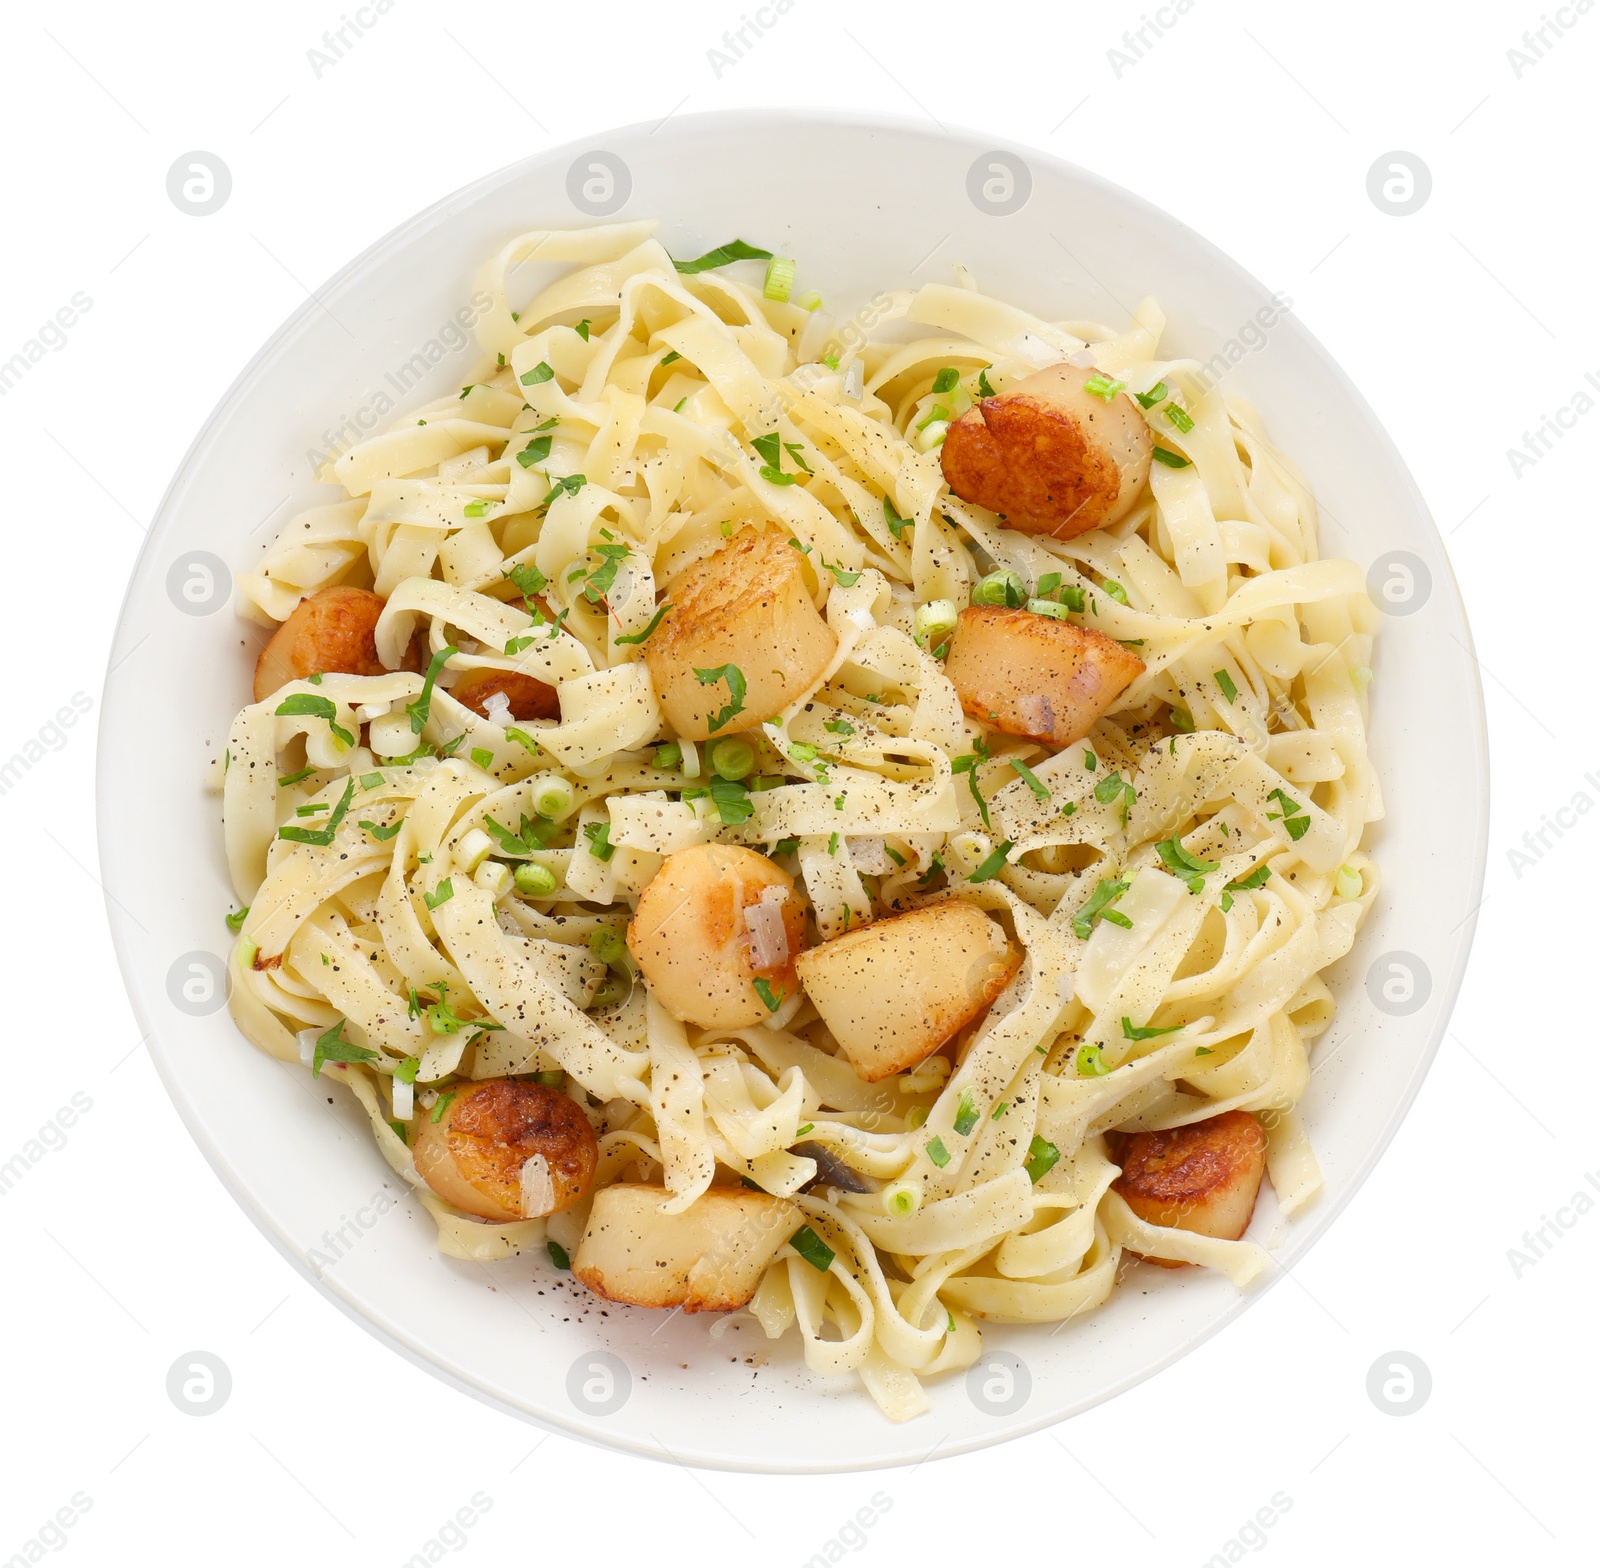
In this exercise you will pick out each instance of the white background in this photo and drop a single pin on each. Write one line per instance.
(1465, 324)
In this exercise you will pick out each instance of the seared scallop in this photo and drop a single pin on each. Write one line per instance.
(741, 641)
(1031, 675)
(713, 921)
(331, 632)
(709, 1258)
(1050, 456)
(1202, 1178)
(525, 697)
(894, 991)
(506, 1149)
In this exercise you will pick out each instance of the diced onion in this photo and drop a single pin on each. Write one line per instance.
(403, 1099)
(307, 1041)
(769, 940)
(494, 878)
(1034, 350)
(497, 709)
(538, 1190)
(475, 845)
(855, 381)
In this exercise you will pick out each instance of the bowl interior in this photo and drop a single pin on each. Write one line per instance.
(870, 205)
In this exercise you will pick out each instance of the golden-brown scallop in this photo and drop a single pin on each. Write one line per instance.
(332, 631)
(709, 1258)
(526, 697)
(1202, 1178)
(1031, 675)
(700, 953)
(894, 991)
(747, 606)
(1048, 456)
(506, 1149)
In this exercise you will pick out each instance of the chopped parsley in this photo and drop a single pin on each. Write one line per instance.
(1132, 1031)
(1088, 1062)
(992, 862)
(440, 895)
(734, 676)
(1294, 818)
(383, 835)
(721, 255)
(295, 778)
(324, 835)
(968, 764)
(571, 485)
(305, 704)
(531, 837)
(644, 636)
(540, 372)
(947, 379)
(769, 1000)
(536, 451)
(1257, 878)
(1113, 787)
(420, 707)
(770, 447)
(1099, 907)
(333, 1047)
(731, 797)
(897, 524)
(527, 580)
(1030, 778)
(1188, 869)
(1042, 1156)
(1169, 459)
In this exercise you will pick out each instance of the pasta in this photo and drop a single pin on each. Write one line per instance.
(864, 867)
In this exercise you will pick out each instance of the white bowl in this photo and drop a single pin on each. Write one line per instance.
(863, 204)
